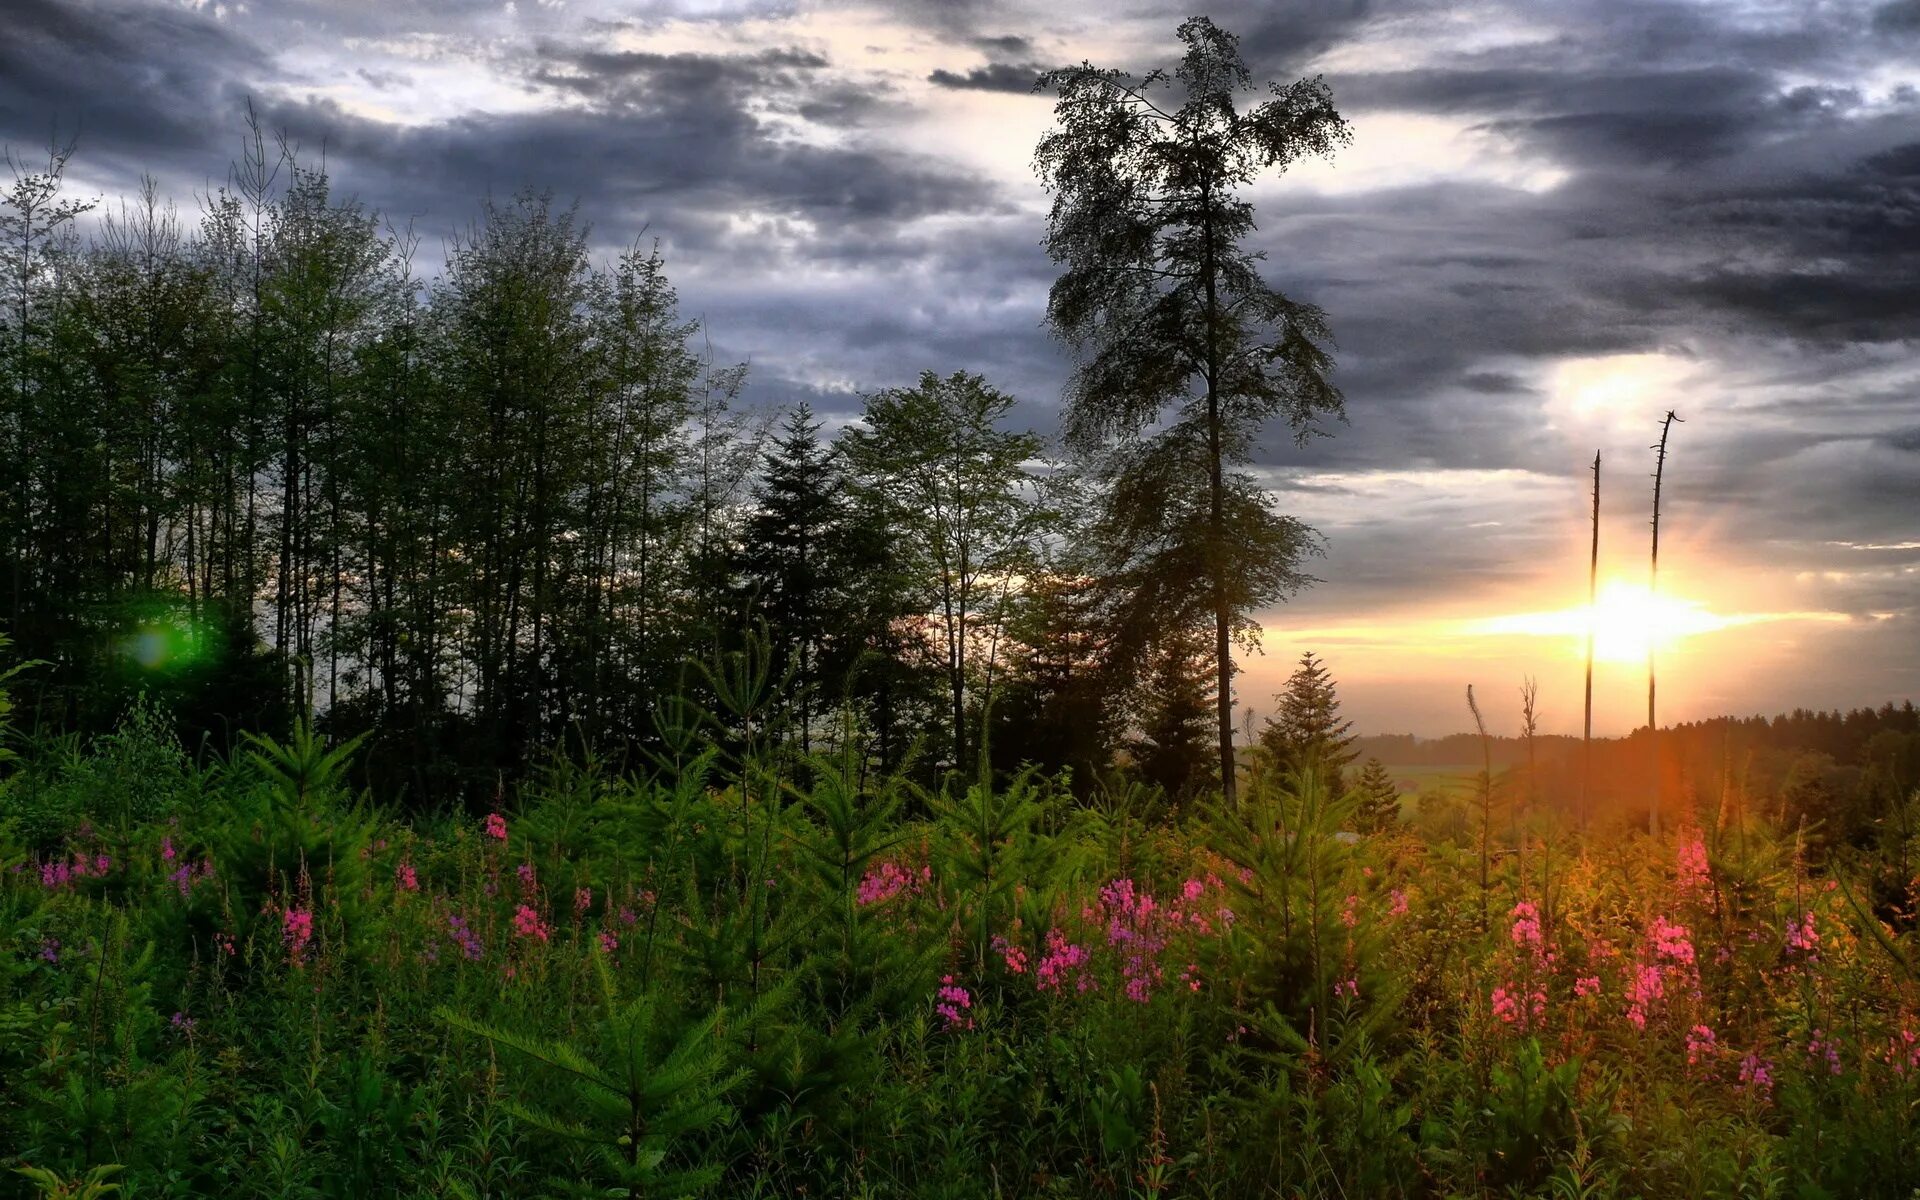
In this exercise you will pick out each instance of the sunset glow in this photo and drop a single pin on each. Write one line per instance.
(1627, 619)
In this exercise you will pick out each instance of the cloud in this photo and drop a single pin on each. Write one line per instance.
(1898, 16)
(994, 77)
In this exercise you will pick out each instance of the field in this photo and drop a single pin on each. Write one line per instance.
(753, 973)
(1454, 779)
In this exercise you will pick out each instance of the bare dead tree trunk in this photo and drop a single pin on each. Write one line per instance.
(1486, 801)
(1593, 595)
(1653, 590)
(1530, 724)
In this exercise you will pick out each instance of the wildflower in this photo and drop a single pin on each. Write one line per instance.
(527, 923)
(1645, 987)
(1700, 1044)
(1903, 1052)
(1690, 866)
(1756, 1076)
(1014, 955)
(182, 1024)
(1586, 985)
(406, 878)
(1397, 903)
(608, 942)
(1822, 1048)
(1803, 936)
(627, 916)
(166, 848)
(496, 827)
(1526, 926)
(464, 937)
(582, 899)
(296, 930)
(1350, 911)
(50, 949)
(1348, 987)
(1061, 962)
(1671, 941)
(528, 881)
(954, 1003)
(881, 884)
(1516, 1006)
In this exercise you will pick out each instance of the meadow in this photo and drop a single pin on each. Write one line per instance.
(743, 970)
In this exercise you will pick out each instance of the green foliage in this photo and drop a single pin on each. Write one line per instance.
(640, 1090)
(755, 971)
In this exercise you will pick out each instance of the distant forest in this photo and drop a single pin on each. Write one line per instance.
(1840, 771)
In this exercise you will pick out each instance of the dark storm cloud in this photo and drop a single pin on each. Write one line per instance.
(136, 82)
(994, 77)
(683, 165)
(1898, 16)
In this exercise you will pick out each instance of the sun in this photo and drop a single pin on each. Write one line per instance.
(1626, 619)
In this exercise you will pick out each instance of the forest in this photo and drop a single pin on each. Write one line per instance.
(455, 746)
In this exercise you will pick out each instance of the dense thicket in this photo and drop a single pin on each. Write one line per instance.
(259, 467)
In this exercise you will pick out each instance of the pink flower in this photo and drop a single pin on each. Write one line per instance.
(1586, 985)
(406, 878)
(1756, 1076)
(296, 930)
(527, 923)
(954, 1004)
(1690, 865)
(582, 899)
(1645, 987)
(1903, 1052)
(1803, 936)
(1061, 962)
(882, 883)
(1397, 907)
(496, 827)
(1700, 1044)
(1822, 1048)
(1519, 1008)
(1671, 941)
(1350, 911)
(1014, 955)
(608, 942)
(166, 848)
(1526, 926)
(1348, 987)
(528, 881)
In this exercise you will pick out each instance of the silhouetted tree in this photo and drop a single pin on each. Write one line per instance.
(1185, 351)
(1307, 731)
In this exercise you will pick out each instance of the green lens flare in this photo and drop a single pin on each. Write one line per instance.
(163, 641)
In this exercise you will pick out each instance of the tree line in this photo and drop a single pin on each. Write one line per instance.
(254, 461)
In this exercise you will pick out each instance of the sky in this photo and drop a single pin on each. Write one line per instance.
(1557, 220)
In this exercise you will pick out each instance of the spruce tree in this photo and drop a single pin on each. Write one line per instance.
(1173, 747)
(1307, 731)
(793, 547)
(1376, 799)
